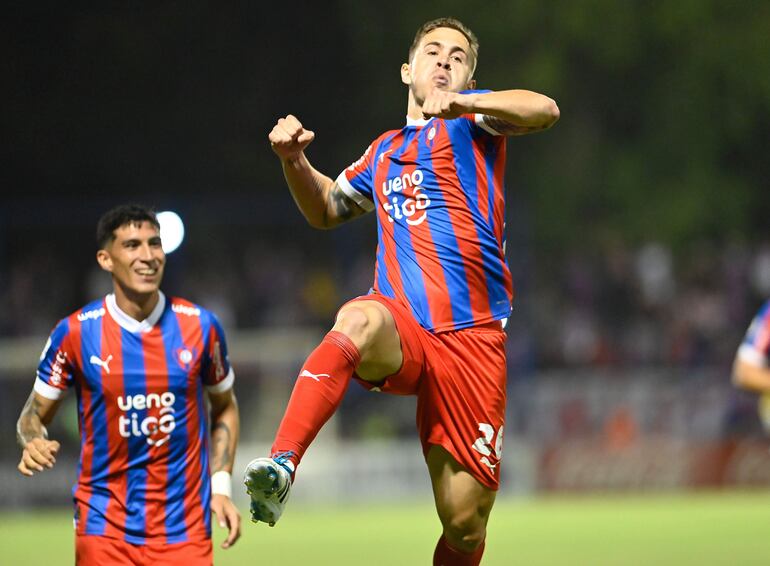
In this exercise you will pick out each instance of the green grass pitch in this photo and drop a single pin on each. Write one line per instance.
(714, 528)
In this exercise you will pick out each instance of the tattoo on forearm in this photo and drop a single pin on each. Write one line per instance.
(30, 425)
(341, 206)
(221, 456)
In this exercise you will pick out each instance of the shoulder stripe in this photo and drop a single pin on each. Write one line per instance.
(482, 123)
(223, 385)
(48, 391)
(353, 194)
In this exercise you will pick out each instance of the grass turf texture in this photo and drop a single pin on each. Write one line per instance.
(704, 529)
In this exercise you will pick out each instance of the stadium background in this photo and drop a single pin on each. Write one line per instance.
(637, 236)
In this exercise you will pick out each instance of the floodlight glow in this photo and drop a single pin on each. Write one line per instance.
(171, 230)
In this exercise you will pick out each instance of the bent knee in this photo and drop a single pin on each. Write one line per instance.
(466, 535)
(361, 323)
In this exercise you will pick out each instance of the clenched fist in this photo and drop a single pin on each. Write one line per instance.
(288, 138)
(446, 104)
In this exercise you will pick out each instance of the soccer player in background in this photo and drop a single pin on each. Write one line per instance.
(750, 368)
(431, 325)
(140, 363)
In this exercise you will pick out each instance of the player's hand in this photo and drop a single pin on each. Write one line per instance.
(288, 138)
(38, 454)
(227, 516)
(445, 104)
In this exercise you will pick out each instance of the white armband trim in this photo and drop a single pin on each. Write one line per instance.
(349, 191)
(223, 385)
(47, 391)
(222, 484)
(481, 123)
(751, 355)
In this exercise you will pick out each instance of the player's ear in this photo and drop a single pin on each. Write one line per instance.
(406, 75)
(471, 84)
(104, 259)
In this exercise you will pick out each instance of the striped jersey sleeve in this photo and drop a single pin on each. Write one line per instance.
(356, 181)
(218, 375)
(55, 370)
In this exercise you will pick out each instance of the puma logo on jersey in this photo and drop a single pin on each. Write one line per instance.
(315, 376)
(102, 363)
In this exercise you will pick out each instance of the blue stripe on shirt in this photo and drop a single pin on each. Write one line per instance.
(135, 383)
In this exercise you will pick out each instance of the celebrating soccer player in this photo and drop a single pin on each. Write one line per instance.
(750, 369)
(431, 325)
(139, 363)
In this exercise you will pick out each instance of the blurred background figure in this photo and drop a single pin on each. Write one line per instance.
(750, 369)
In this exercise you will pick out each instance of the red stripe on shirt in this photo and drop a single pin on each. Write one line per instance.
(74, 350)
(192, 335)
(156, 381)
(482, 183)
(499, 210)
(117, 446)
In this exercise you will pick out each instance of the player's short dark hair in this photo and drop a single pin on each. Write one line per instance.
(452, 23)
(120, 216)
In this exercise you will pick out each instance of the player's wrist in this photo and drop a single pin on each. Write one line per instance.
(222, 484)
(291, 160)
(469, 103)
(24, 437)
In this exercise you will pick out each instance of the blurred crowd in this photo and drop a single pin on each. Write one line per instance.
(643, 306)
(616, 307)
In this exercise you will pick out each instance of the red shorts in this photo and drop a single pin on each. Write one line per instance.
(93, 550)
(459, 378)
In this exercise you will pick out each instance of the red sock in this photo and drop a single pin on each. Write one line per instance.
(445, 555)
(317, 393)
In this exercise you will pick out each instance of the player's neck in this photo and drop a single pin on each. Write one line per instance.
(137, 306)
(413, 108)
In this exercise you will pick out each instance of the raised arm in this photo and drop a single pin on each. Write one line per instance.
(318, 197)
(225, 428)
(38, 452)
(509, 112)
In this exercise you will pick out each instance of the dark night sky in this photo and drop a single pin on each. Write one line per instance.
(166, 99)
(171, 103)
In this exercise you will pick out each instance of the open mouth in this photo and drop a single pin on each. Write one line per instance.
(147, 271)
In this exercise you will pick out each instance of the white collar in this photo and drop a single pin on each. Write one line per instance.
(414, 122)
(131, 324)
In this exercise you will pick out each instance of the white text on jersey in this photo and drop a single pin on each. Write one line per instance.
(411, 207)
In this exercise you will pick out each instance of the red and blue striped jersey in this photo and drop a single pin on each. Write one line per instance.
(437, 186)
(144, 473)
(755, 347)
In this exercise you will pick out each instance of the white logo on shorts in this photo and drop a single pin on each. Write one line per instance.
(488, 446)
